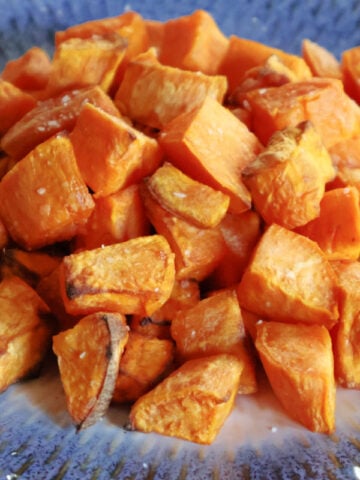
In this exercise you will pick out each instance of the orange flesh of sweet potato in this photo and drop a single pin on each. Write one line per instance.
(153, 94)
(276, 108)
(243, 54)
(88, 356)
(287, 180)
(43, 198)
(181, 195)
(192, 402)
(135, 276)
(110, 153)
(347, 332)
(350, 71)
(202, 44)
(144, 363)
(296, 286)
(116, 218)
(197, 250)
(337, 228)
(14, 104)
(212, 146)
(321, 62)
(30, 71)
(25, 330)
(50, 117)
(299, 364)
(212, 326)
(80, 63)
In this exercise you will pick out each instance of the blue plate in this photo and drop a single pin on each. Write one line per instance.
(258, 441)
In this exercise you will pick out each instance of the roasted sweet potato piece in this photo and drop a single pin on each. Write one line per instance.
(115, 218)
(214, 325)
(243, 54)
(197, 250)
(213, 147)
(88, 357)
(289, 279)
(144, 363)
(345, 156)
(287, 180)
(346, 333)
(153, 94)
(276, 108)
(25, 331)
(181, 195)
(193, 402)
(241, 233)
(202, 45)
(185, 294)
(14, 104)
(349, 67)
(4, 236)
(110, 153)
(321, 61)
(272, 73)
(43, 198)
(129, 25)
(135, 276)
(337, 228)
(30, 71)
(30, 266)
(50, 117)
(81, 63)
(298, 361)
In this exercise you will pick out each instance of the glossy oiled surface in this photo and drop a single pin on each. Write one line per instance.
(258, 441)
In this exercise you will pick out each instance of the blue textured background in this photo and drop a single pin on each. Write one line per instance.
(281, 23)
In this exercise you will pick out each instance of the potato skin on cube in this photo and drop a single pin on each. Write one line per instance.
(193, 402)
(132, 277)
(25, 330)
(299, 364)
(88, 357)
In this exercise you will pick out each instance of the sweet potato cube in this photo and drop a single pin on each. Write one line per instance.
(50, 117)
(287, 180)
(129, 25)
(197, 250)
(288, 105)
(185, 294)
(202, 45)
(181, 195)
(14, 104)
(144, 363)
(153, 94)
(110, 153)
(30, 266)
(80, 63)
(115, 218)
(289, 279)
(214, 325)
(350, 71)
(345, 156)
(298, 361)
(241, 233)
(88, 357)
(43, 198)
(25, 331)
(321, 61)
(346, 336)
(243, 54)
(272, 73)
(135, 276)
(337, 228)
(193, 402)
(213, 147)
(30, 71)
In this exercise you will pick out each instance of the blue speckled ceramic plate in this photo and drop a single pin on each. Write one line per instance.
(258, 441)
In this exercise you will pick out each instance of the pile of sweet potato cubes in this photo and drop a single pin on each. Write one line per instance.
(180, 209)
